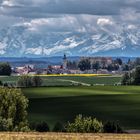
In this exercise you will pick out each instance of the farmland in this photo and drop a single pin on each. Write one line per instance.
(59, 101)
(66, 136)
(53, 104)
(69, 80)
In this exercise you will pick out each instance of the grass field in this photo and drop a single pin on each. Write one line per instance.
(65, 136)
(53, 104)
(70, 80)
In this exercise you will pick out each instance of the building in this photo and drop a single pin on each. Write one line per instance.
(65, 62)
(101, 60)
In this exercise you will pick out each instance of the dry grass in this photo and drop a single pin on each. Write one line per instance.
(65, 136)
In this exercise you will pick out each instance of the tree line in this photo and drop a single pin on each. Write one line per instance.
(86, 64)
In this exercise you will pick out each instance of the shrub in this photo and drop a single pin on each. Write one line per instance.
(29, 81)
(58, 127)
(112, 127)
(40, 127)
(24, 81)
(36, 81)
(6, 124)
(13, 114)
(84, 125)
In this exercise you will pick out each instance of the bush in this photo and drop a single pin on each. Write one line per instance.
(58, 127)
(6, 124)
(36, 81)
(84, 125)
(24, 81)
(40, 127)
(13, 114)
(112, 127)
(29, 81)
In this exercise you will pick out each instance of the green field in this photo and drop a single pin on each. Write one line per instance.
(53, 104)
(70, 80)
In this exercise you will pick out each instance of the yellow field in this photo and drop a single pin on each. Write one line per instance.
(65, 136)
(72, 75)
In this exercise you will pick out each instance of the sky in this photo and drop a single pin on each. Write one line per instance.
(90, 16)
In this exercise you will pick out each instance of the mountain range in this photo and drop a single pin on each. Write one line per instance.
(16, 41)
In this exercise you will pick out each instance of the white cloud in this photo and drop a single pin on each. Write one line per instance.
(65, 23)
(104, 21)
(131, 26)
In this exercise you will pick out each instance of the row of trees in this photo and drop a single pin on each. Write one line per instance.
(80, 125)
(132, 77)
(29, 81)
(86, 64)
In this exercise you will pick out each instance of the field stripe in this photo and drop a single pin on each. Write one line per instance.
(67, 136)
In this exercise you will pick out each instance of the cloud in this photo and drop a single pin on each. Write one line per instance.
(40, 8)
(104, 21)
(65, 23)
(88, 16)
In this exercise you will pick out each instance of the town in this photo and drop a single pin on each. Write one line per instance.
(84, 65)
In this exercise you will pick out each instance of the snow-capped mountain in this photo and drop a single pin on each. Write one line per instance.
(17, 41)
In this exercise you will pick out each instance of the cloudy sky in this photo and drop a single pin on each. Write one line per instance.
(70, 15)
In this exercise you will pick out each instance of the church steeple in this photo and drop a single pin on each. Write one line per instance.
(65, 57)
(65, 61)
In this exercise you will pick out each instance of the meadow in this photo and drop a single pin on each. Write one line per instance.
(68, 80)
(64, 97)
(62, 104)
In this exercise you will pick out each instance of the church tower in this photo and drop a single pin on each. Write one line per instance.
(65, 62)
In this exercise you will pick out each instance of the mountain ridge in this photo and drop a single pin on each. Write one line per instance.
(17, 41)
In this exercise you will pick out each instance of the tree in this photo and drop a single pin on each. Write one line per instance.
(84, 65)
(136, 76)
(36, 81)
(112, 67)
(5, 69)
(112, 127)
(118, 61)
(29, 81)
(137, 61)
(126, 67)
(85, 125)
(72, 65)
(40, 127)
(24, 81)
(132, 78)
(58, 127)
(96, 65)
(126, 79)
(13, 114)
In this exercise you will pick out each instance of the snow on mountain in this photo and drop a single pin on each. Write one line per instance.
(17, 41)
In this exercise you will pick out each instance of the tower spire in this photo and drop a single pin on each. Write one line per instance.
(65, 61)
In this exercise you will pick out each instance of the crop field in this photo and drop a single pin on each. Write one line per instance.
(68, 80)
(65, 136)
(62, 104)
